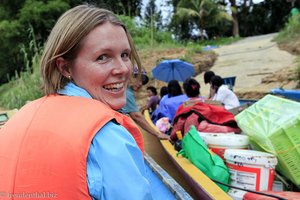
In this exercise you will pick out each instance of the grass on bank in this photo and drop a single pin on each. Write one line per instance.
(23, 87)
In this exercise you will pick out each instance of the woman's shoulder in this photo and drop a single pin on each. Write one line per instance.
(164, 98)
(155, 97)
(224, 89)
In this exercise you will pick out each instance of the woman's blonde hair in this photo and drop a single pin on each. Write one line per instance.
(65, 41)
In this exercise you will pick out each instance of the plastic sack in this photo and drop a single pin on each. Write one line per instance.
(163, 124)
(195, 150)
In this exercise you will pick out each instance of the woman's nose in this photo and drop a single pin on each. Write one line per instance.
(122, 66)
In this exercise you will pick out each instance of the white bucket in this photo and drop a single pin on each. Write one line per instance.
(219, 142)
(236, 194)
(250, 169)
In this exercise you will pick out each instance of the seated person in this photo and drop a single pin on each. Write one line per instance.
(131, 107)
(163, 91)
(152, 101)
(169, 103)
(207, 78)
(191, 88)
(223, 93)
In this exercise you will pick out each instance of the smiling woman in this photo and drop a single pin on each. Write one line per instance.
(91, 149)
(102, 66)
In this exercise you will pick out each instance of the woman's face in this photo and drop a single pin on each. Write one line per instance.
(103, 65)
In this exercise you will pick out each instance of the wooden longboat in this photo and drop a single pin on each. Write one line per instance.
(202, 186)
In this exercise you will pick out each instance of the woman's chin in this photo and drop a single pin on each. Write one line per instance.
(117, 105)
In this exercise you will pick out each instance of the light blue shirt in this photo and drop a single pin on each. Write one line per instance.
(169, 106)
(131, 105)
(115, 164)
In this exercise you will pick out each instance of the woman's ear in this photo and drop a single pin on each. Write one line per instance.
(63, 67)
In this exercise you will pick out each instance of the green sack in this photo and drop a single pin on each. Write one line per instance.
(195, 150)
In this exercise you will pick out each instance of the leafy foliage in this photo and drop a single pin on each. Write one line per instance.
(129, 8)
(265, 17)
(289, 34)
(291, 30)
(24, 87)
(198, 14)
(144, 36)
(18, 16)
(15, 26)
(153, 18)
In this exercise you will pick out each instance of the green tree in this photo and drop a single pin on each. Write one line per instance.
(9, 8)
(17, 17)
(130, 8)
(15, 28)
(235, 21)
(152, 18)
(262, 18)
(41, 16)
(202, 13)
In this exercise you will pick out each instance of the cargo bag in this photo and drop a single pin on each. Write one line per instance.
(196, 151)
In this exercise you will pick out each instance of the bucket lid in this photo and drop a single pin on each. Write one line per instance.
(250, 157)
(224, 139)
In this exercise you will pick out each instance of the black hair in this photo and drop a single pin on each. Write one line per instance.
(207, 76)
(144, 79)
(153, 89)
(174, 88)
(216, 81)
(163, 91)
(191, 87)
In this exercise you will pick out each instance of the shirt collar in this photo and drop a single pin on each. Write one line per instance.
(71, 89)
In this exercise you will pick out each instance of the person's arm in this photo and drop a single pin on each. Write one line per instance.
(131, 108)
(143, 108)
(141, 121)
(212, 92)
(148, 105)
(221, 94)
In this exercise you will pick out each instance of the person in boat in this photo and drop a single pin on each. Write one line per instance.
(152, 101)
(131, 108)
(207, 79)
(191, 88)
(163, 91)
(72, 143)
(163, 94)
(223, 94)
(170, 102)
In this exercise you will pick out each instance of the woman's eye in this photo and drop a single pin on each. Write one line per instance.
(125, 55)
(102, 57)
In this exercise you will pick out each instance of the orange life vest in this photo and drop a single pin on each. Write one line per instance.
(46, 133)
